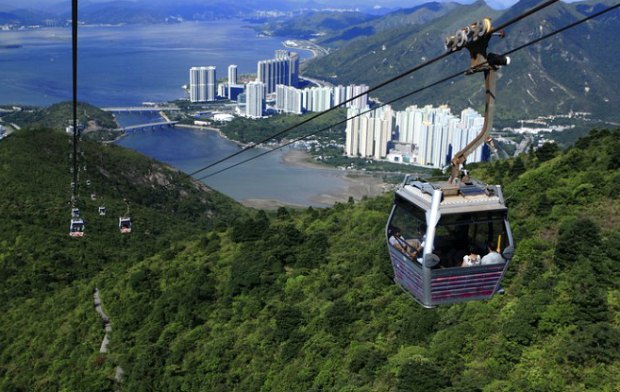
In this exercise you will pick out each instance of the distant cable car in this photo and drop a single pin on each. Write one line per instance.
(438, 232)
(102, 210)
(75, 212)
(124, 225)
(76, 227)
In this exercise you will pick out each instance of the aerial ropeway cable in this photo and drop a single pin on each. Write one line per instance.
(77, 224)
(417, 68)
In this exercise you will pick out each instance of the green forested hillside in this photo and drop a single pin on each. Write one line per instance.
(46, 278)
(304, 300)
(58, 117)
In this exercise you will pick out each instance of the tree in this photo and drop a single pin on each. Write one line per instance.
(577, 236)
(547, 152)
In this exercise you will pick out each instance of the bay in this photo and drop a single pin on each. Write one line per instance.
(127, 65)
(267, 180)
(123, 65)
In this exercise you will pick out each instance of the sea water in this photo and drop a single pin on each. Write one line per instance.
(124, 65)
(267, 177)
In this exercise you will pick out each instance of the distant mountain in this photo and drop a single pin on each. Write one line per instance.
(401, 18)
(157, 11)
(312, 24)
(337, 28)
(26, 17)
(575, 70)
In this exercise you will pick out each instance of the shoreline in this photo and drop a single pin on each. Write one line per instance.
(212, 129)
(355, 184)
(359, 186)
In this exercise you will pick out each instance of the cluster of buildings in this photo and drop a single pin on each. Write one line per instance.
(281, 70)
(317, 99)
(425, 136)
(277, 80)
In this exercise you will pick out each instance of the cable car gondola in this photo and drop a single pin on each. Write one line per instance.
(433, 225)
(76, 227)
(102, 210)
(431, 228)
(124, 225)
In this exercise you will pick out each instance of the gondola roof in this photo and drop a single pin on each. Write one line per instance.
(462, 198)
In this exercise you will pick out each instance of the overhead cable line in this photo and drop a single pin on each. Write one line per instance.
(448, 78)
(74, 48)
(372, 89)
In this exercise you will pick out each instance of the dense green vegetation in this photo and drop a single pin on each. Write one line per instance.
(303, 300)
(58, 117)
(48, 324)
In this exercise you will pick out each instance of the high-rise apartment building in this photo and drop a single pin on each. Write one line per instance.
(232, 74)
(255, 99)
(222, 90)
(283, 69)
(317, 99)
(211, 84)
(288, 99)
(202, 84)
(435, 134)
(232, 88)
(368, 134)
(355, 90)
(197, 85)
(339, 94)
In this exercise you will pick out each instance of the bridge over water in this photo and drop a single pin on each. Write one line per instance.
(153, 125)
(140, 109)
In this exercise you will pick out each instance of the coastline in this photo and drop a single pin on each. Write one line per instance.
(357, 186)
(217, 130)
(311, 47)
(354, 184)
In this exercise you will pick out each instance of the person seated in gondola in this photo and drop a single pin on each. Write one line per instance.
(492, 257)
(412, 247)
(472, 258)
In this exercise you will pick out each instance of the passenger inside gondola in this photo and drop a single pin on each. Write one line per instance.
(410, 247)
(458, 235)
(472, 258)
(493, 257)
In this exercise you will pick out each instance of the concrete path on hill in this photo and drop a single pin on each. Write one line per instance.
(107, 326)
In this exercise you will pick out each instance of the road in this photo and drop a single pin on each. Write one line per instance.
(318, 82)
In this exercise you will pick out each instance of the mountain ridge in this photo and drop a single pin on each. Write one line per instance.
(546, 86)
